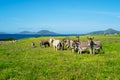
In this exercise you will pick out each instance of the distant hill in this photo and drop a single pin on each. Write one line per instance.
(26, 32)
(3, 33)
(111, 31)
(108, 31)
(96, 32)
(46, 32)
(39, 32)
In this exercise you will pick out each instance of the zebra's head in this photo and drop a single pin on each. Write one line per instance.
(90, 42)
(51, 40)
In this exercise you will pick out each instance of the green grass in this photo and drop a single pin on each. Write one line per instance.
(18, 61)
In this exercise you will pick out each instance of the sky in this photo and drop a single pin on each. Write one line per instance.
(61, 16)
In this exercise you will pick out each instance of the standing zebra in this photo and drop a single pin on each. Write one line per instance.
(94, 45)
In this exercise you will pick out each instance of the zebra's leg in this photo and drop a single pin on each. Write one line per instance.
(40, 45)
(67, 46)
(45, 45)
(63, 47)
(90, 50)
(102, 49)
(72, 49)
(78, 51)
(93, 50)
(55, 48)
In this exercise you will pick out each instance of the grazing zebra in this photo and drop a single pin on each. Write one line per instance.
(45, 43)
(70, 44)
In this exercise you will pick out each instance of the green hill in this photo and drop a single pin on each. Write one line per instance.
(45, 32)
(111, 31)
(108, 31)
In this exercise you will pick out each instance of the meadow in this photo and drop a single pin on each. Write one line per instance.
(19, 61)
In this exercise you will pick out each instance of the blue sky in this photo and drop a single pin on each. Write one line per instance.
(61, 16)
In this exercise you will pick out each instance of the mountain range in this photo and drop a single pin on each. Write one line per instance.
(108, 31)
(39, 32)
(3, 33)
(44, 32)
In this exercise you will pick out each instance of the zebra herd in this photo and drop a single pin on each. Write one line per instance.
(75, 45)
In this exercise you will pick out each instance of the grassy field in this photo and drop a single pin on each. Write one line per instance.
(19, 61)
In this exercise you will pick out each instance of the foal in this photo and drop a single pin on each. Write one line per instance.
(33, 45)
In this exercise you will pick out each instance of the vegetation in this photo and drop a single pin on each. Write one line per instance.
(7, 39)
(19, 61)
